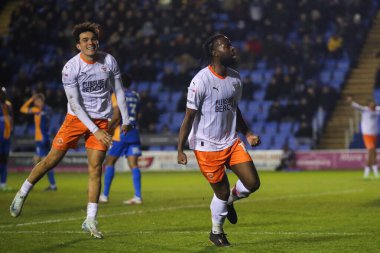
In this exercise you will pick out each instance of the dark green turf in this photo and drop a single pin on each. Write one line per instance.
(292, 212)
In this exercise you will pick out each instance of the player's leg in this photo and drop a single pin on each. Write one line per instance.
(39, 170)
(114, 153)
(44, 149)
(219, 211)
(242, 165)
(132, 153)
(3, 171)
(95, 161)
(248, 181)
(211, 165)
(4, 155)
(96, 153)
(67, 137)
(108, 177)
(368, 143)
(373, 161)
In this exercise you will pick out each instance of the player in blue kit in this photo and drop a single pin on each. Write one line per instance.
(6, 127)
(124, 145)
(42, 113)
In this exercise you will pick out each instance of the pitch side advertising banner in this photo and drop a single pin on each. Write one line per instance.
(149, 161)
(167, 161)
(327, 160)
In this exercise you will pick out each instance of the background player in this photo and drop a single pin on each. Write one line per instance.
(6, 127)
(211, 122)
(124, 145)
(42, 114)
(88, 79)
(369, 126)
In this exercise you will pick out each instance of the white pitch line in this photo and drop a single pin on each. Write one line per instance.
(164, 209)
(110, 233)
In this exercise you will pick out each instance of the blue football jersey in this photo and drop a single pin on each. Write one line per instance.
(133, 104)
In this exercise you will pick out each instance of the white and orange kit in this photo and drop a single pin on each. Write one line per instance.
(368, 124)
(93, 83)
(213, 136)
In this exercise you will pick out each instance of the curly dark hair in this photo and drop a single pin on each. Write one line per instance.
(85, 27)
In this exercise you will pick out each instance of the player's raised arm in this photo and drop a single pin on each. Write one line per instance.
(354, 104)
(25, 108)
(241, 126)
(184, 132)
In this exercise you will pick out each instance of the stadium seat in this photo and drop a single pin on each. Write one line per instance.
(271, 127)
(256, 76)
(325, 76)
(175, 96)
(343, 64)
(259, 95)
(19, 130)
(155, 87)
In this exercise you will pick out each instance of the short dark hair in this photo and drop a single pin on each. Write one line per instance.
(85, 27)
(208, 46)
(40, 96)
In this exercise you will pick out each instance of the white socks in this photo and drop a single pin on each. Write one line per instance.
(375, 171)
(218, 214)
(367, 171)
(92, 209)
(238, 192)
(26, 187)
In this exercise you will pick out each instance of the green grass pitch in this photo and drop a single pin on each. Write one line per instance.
(334, 211)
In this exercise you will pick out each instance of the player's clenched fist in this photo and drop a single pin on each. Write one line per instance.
(253, 140)
(181, 158)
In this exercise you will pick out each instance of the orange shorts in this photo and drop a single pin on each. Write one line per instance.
(370, 141)
(211, 163)
(71, 131)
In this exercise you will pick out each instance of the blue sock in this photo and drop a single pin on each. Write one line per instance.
(108, 177)
(51, 178)
(3, 173)
(136, 177)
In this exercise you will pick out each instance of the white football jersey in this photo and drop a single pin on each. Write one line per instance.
(369, 120)
(215, 98)
(94, 83)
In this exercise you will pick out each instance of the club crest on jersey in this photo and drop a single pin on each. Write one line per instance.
(104, 68)
(59, 141)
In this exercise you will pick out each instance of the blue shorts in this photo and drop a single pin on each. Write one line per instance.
(42, 148)
(5, 147)
(119, 148)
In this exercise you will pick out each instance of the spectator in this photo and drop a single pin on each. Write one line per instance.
(275, 112)
(288, 158)
(335, 45)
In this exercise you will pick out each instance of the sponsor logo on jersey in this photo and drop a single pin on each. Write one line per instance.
(225, 104)
(95, 85)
